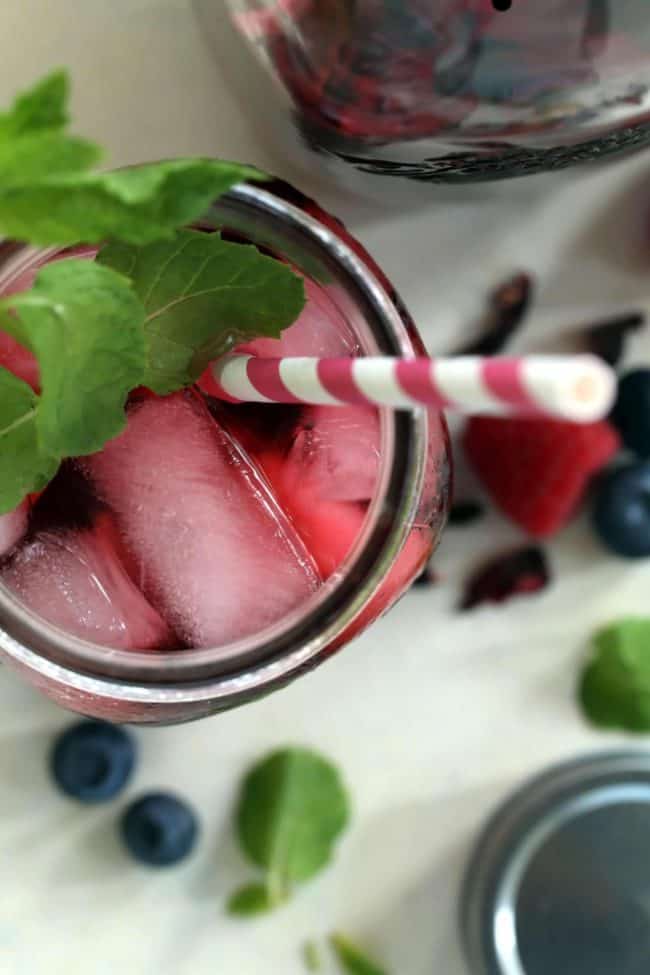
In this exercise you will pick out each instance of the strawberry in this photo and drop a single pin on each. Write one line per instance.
(536, 470)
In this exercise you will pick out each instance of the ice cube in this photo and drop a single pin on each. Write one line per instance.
(329, 529)
(336, 450)
(216, 554)
(12, 527)
(320, 330)
(76, 581)
(327, 477)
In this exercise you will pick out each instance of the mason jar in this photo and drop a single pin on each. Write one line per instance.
(402, 525)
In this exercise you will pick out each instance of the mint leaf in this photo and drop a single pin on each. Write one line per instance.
(292, 808)
(251, 900)
(41, 155)
(45, 106)
(47, 196)
(136, 205)
(615, 685)
(202, 295)
(32, 144)
(351, 959)
(23, 467)
(83, 322)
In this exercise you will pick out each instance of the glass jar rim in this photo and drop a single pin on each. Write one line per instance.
(282, 650)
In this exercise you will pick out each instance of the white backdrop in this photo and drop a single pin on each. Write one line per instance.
(432, 716)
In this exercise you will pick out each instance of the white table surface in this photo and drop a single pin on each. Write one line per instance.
(432, 715)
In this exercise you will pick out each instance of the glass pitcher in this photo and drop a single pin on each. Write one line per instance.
(457, 90)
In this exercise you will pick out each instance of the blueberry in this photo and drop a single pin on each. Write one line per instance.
(622, 511)
(159, 829)
(631, 414)
(92, 761)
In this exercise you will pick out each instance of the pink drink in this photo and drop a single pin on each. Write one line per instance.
(208, 526)
(226, 517)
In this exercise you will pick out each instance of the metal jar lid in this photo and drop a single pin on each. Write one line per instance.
(559, 882)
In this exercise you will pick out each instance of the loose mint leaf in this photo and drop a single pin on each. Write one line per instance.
(45, 106)
(311, 956)
(251, 900)
(202, 295)
(23, 467)
(84, 324)
(292, 808)
(351, 959)
(136, 205)
(615, 685)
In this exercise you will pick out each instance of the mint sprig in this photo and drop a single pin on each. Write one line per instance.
(201, 296)
(157, 305)
(292, 809)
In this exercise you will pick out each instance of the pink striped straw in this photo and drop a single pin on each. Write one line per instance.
(577, 388)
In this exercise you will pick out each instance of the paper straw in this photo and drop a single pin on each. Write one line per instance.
(577, 388)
